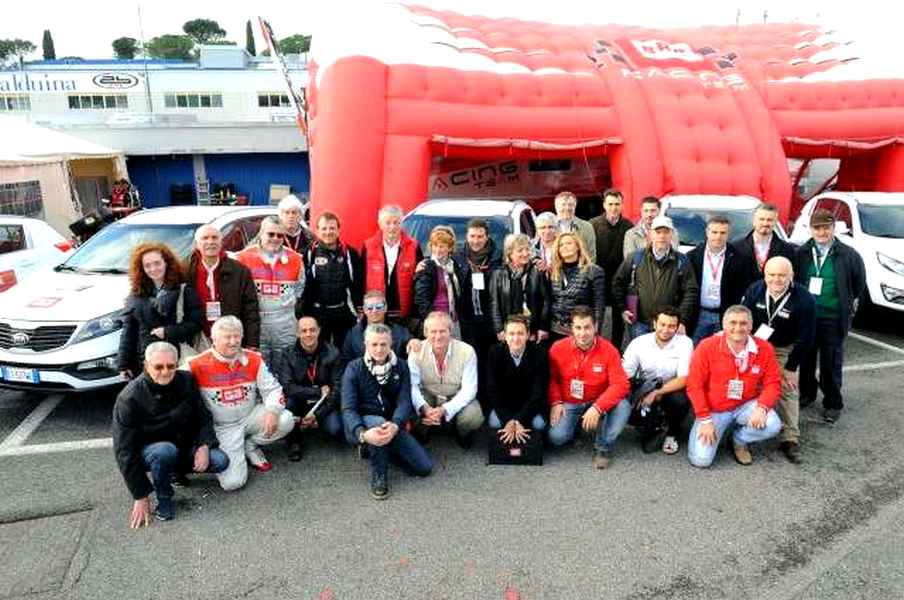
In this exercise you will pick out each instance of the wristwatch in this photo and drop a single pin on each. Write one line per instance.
(361, 436)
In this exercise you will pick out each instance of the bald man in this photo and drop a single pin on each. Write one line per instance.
(784, 313)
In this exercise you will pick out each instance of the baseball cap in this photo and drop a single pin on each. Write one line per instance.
(662, 221)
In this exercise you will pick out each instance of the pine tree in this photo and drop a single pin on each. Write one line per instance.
(49, 50)
(249, 39)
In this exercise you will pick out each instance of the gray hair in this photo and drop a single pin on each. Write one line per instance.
(271, 220)
(438, 314)
(200, 231)
(156, 347)
(290, 201)
(229, 322)
(738, 309)
(377, 329)
(513, 241)
(546, 218)
(390, 210)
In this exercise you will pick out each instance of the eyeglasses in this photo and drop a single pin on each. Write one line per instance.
(164, 367)
(273, 234)
(375, 306)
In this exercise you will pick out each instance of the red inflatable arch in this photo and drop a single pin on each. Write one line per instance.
(402, 94)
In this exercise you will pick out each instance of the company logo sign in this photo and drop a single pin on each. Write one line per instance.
(20, 338)
(115, 81)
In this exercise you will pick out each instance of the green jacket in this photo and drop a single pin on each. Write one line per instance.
(672, 283)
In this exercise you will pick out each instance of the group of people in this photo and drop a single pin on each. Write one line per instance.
(387, 348)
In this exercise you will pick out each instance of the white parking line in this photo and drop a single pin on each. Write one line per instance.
(57, 447)
(877, 343)
(31, 422)
(874, 366)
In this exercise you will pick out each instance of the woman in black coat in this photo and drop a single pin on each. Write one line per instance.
(151, 312)
(441, 283)
(575, 281)
(519, 288)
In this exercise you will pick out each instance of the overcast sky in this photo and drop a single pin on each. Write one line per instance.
(85, 28)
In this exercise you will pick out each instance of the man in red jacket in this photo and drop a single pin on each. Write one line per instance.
(734, 381)
(587, 384)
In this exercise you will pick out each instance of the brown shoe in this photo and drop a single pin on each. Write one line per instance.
(600, 460)
(791, 450)
(742, 455)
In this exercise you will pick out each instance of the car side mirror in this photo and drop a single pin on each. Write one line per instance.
(841, 228)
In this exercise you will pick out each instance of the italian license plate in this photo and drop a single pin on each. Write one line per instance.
(20, 375)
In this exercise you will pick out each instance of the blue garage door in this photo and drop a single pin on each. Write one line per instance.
(154, 176)
(252, 174)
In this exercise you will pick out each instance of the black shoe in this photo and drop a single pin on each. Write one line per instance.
(180, 481)
(165, 510)
(295, 451)
(830, 415)
(379, 487)
(806, 401)
(791, 450)
(363, 452)
(653, 443)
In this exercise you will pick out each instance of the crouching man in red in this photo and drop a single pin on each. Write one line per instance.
(734, 381)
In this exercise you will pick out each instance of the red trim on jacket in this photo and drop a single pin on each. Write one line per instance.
(269, 280)
(403, 272)
(600, 369)
(713, 365)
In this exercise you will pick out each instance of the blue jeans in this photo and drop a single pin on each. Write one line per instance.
(702, 455)
(162, 460)
(403, 447)
(610, 426)
(708, 324)
(537, 424)
(332, 425)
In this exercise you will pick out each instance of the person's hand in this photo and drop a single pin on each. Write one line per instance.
(540, 265)
(681, 329)
(157, 332)
(324, 391)
(500, 336)
(542, 335)
(127, 373)
(271, 421)
(522, 434)
(421, 266)
(309, 422)
(650, 398)
(757, 418)
(628, 317)
(202, 459)
(555, 413)
(391, 428)
(591, 419)
(433, 416)
(414, 346)
(706, 433)
(507, 433)
(141, 514)
(379, 436)
(791, 378)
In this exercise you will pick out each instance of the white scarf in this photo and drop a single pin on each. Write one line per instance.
(380, 372)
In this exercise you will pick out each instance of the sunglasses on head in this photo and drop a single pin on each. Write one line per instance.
(375, 306)
(164, 367)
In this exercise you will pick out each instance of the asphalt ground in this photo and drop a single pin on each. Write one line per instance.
(649, 527)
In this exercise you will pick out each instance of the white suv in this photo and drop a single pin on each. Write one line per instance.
(872, 223)
(60, 332)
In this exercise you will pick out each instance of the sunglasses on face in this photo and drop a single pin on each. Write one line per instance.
(273, 234)
(164, 367)
(376, 306)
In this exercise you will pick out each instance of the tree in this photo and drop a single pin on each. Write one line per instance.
(126, 48)
(47, 43)
(249, 39)
(170, 46)
(16, 48)
(295, 44)
(204, 31)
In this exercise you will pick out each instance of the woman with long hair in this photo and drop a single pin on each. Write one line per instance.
(519, 288)
(441, 283)
(575, 281)
(156, 286)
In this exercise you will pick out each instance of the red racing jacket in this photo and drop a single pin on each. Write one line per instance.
(599, 371)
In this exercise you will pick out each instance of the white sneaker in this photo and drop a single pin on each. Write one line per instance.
(256, 457)
(670, 445)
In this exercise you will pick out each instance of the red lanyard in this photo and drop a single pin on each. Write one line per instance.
(578, 365)
(714, 268)
(312, 372)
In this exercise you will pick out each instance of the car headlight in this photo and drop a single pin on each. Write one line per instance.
(99, 326)
(892, 264)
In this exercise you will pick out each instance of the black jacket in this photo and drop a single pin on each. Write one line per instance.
(672, 282)
(587, 288)
(736, 277)
(517, 392)
(850, 276)
(146, 413)
(236, 294)
(353, 347)
(425, 290)
(143, 314)
(794, 324)
(507, 297)
(291, 369)
(492, 262)
(363, 395)
(777, 247)
(610, 246)
(332, 277)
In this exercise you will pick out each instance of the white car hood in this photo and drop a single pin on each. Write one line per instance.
(893, 247)
(65, 297)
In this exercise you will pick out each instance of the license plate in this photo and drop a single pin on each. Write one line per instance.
(20, 375)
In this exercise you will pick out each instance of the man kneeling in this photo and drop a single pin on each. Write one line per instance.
(161, 425)
(376, 403)
(734, 381)
(230, 379)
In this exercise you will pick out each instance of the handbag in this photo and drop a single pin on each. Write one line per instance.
(528, 453)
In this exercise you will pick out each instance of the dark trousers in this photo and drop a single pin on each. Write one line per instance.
(671, 409)
(829, 345)
(164, 460)
(480, 335)
(618, 329)
(334, 324)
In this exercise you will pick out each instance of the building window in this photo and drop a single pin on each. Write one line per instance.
(272, 100)
(22, 198)
(99, 102)
(193, 100)
(10, 103)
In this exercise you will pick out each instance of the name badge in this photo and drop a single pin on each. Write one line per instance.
(477, 281)
(713, 291)
(815, 286)
(577, 389)
(735, 389)
(320, 261)
(764, 332)
(213, 311)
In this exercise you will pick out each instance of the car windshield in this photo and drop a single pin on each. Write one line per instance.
(691, 223)
(108, 251)
(419, 227)
(882, 220)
